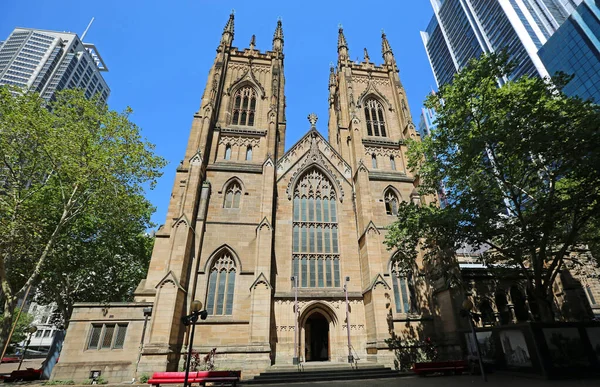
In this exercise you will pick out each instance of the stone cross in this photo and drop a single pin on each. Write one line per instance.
(312, 118)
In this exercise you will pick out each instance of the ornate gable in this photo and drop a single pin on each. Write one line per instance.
(313, 150)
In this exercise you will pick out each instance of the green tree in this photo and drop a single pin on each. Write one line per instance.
(100, 258)
(61, 162)
(22, 329)
(521, 171)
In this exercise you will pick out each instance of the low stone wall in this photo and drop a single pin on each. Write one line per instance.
(114, 357)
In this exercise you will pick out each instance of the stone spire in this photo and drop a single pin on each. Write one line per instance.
(252, 42)
(367, 59)
(342, 45)
(331, 75)
(386, 50)
(227, 37)
(278, 38)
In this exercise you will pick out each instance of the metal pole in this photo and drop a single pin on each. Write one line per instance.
(470, 317)
(295, 360)
(15, 324)
(350, 357)
(25, 351)
(141, 344)
(194, 318)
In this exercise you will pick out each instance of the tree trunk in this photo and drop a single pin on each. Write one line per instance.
(544, 307)
(7, 322)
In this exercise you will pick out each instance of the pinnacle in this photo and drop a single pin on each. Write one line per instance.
(278, 31)
(341, 39)
(229, 26)
(385, 45)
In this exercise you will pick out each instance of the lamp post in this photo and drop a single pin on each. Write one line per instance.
(295, 282)
(467, 306)
(350, 357)
(147, 314)
(191, 319)
(31, 331)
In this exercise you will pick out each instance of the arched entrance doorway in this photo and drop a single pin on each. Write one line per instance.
(316, 338)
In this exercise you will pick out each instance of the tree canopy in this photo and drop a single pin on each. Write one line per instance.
(64, 165)
(519, 164)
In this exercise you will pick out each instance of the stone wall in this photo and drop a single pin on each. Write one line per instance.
(77, 359)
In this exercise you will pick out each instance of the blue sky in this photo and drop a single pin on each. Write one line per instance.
(159, 54)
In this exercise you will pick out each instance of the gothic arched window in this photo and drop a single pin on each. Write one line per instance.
(249, 153)
(233, 194)
(403, 289)
(315, 251)
(228, 152)
(375, 118)
(392, 163)
(374, 161)
(244, 106)
(391, 202)
(487, 313)
(221, 285)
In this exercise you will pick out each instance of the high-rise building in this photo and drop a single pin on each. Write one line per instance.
(575, 49)
(464, 29)
(49, 61)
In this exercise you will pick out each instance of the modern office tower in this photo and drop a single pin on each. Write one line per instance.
(464, 29)
(575, 49)
(49, 61)
(427, 123)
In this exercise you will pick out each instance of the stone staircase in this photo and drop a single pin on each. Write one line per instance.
(322, 371)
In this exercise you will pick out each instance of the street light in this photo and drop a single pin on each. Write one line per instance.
(467, 306)
(295, 284)
(31, 331)
(350, 357)
(191, 319)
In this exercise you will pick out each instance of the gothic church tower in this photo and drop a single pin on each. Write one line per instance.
(222, 204)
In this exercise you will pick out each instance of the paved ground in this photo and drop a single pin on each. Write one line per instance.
(449, 381)
(6, 368)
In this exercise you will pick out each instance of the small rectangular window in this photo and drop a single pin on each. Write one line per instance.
(109, 331)
(94, 336)
(120, 339)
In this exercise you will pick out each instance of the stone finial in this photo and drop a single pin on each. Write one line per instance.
(278, 37)
(331, 75)
(252, 42)
(312, 118)
(367, 59)
(228, 31)
(342, 45)
(386, 50)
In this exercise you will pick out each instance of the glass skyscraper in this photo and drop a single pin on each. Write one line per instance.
(49, 61)
(464, 29)
(575, 49)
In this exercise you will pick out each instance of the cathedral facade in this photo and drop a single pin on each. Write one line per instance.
(284, 248)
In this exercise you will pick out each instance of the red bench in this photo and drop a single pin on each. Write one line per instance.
(28, 374)
(447, 367)
(201, 377)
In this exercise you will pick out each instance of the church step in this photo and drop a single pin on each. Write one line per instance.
(324, 374)
(322, 366)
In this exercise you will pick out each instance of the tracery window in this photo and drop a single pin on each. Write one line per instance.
(375, 118)
(403, 289)
(244, 106)
(233, 194)
(391, 202)
(315, 251)
(221, 285)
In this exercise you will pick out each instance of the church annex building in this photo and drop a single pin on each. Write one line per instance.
(245, 216)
